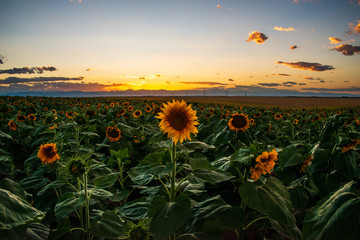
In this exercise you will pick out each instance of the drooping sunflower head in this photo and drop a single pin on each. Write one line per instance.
(178, 120)
(12, 125)
(113, 134)
(137, 114)
(76, 168)
(48, 153)
(268, 159)
(239, 122)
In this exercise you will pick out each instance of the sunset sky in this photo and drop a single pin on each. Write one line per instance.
(109, 45)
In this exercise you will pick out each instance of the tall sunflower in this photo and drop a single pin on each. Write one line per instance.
(239, 122)
(48, 153)
(178, 120)
(137, 114)
(32, 117)
(113, 134)
(265, 162)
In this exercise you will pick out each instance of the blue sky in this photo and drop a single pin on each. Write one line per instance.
(109, 45)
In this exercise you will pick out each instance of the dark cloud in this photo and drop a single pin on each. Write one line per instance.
(269, 84)
(347, 49)
(2, 59)
(322, 81)
(257, 37)
(349, 89)
(231, 80)
(293, 47)
(307, 66)
(302, 84)
(282, 74)
(27, 70)
(289, 84)
(12, 80)
(204, 83)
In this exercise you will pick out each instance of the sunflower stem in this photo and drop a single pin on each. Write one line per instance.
(81, 208)
(87, 208)
(173, 173)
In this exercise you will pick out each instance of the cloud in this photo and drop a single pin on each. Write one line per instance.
(289, 84)
(204, 83)
(231, 80)
(257, 37)
(15, 80)
(269, 84)
(347, 49)
(302, 84)
(282, 74)
(27, 70)
(309, 78)
(354, 29)
(293, 47)
(2, 59)
(349, 89)
(334, 40)
(307, 66)
(284, 29)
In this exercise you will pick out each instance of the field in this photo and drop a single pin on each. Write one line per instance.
(144, 168)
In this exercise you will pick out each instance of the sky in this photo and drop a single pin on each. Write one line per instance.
(285, 46)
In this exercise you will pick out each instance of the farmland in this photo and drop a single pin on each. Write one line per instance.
(156, 168)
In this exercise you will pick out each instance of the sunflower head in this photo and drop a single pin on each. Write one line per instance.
(48, 153)
(137, 114)
(296, 121)
(12, 125)
(178, 120)
(120, 113)
(20, 118)
(257, 115)
(32, 117)
(130, 108)
(148, 109)
(90, 112)
(277, 116)
(239, 122)
(76, 168)
(113, 134)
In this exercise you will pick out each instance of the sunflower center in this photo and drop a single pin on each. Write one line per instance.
(21, 118)
(178, 120)
(239, 121)
(137, 113)
(114, 133)
(49, 152)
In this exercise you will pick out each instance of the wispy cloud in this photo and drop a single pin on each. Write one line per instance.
(14, 80)
(349, 89)
(309, 78)
(347, 49)
(284, 29)
(282, 74)
(334, 40)
(289, 84)
(354, 28)
(27, 70)
(204, 83)
(293, 47)
(269, 84)
(307, 66)
(257, 37)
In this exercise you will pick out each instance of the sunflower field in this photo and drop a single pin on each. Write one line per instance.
(141, 169)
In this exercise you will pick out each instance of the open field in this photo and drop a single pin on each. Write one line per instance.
(287, 102)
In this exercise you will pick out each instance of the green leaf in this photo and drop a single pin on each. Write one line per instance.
(90, 134)
(151, 164)
(346, 162)
(15, 211)
(13, 187)
(34, 182)
(135, 210)
(290, 156)
(222, 164)
(288, 231)
(208, 175)
(106, 181)
(37, 231)
(110, 226)
(299, 197)
(216, 210)
(100, 193)
(121, 154)
(55, 184)
(62, 229)
(67, 204)
(5, 135)
(242, 155)
(201, 164)
(271, 198)
(173, 215)
(335, 217)
(197, 145)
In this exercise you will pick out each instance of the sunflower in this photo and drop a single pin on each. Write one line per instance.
(137, 114)
(239, 122)
(90, 113)
(12, 125)
(178, 120)
(138, 139)
(130, 108)
(350, 145)
(112, 104)
(148, 109)
(48, 153)
(20, 118)
(257, 115)
(306, 163)
(264, 163)
(121, 112)
(252, 121)
(32, 117)
(70, 115)
(113, 134)
(76, 168)
(46, 109)
(277, 116)
(296, 121)
(125, 104)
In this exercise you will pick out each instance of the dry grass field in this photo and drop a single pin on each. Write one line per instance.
(283, 102)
